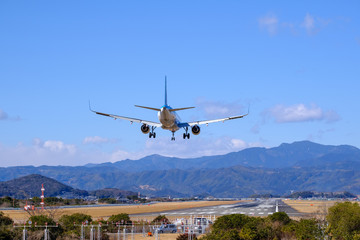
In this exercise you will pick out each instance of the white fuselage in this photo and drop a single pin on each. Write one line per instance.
(168, 119)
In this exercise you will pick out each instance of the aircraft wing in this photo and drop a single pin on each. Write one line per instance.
(210, 121)
(155, 124)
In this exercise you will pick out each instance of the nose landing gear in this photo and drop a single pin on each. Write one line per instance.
(173, 137)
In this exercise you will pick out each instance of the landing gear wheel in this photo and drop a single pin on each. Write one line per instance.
(186, 135)
(150, 135)
(154, 135)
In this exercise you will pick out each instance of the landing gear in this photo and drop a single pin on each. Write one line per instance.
(173, 138)
(152, 133)
(186, 134)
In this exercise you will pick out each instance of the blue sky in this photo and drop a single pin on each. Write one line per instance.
(297, 64)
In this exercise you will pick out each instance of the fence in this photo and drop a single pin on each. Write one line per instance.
(123, 231)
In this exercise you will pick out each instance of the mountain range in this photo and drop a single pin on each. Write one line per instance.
(299, 166)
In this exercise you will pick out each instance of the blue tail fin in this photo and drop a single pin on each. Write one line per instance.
(165, 92)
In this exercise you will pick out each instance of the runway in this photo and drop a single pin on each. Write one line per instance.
(255, 208)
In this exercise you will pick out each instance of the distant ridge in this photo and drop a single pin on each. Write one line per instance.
(299, 166)
(30, 186)
(283, 156)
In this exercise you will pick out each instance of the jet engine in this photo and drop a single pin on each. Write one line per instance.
(195, 130)
(145, 129)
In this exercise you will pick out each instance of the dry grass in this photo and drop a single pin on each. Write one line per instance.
(308, 206)
(106, 211)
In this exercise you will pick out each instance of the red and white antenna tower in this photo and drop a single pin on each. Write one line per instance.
(42, 196)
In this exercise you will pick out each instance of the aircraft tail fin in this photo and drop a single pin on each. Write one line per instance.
(166, 92)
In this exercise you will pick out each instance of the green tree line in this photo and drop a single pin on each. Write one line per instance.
(341, 223)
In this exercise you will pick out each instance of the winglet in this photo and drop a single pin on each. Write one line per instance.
(90, 107)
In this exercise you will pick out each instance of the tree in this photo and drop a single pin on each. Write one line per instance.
(308, 229)
(344, 220)
(42, 220)
(5, 234)
(257, 229)
(4, 220)
(160, 219)
(233, 221)
(121, 217)
(107, 200)
(241, 227)
(280, 217)
(67, 221)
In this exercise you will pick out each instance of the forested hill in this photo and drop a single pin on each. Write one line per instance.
(30, 186)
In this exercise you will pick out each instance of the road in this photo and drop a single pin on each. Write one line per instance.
(255, 208)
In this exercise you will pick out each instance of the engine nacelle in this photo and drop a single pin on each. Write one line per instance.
(195, 130)
(145, 129)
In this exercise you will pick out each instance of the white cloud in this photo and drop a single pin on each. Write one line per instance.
(95, 140)
(196, 146)
(40, 153)
(269, 23)
(3, 115)
(59, 153)
(219, 109)
(319, 134)
(309, 24)
(300, 113)
(58, 146)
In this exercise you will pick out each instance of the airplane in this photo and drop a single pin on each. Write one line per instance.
(169, 120)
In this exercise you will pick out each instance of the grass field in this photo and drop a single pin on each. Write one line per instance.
(106, 211)
(310, 207)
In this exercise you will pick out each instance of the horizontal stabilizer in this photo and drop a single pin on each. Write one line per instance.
(178, 109)
(155, 109)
